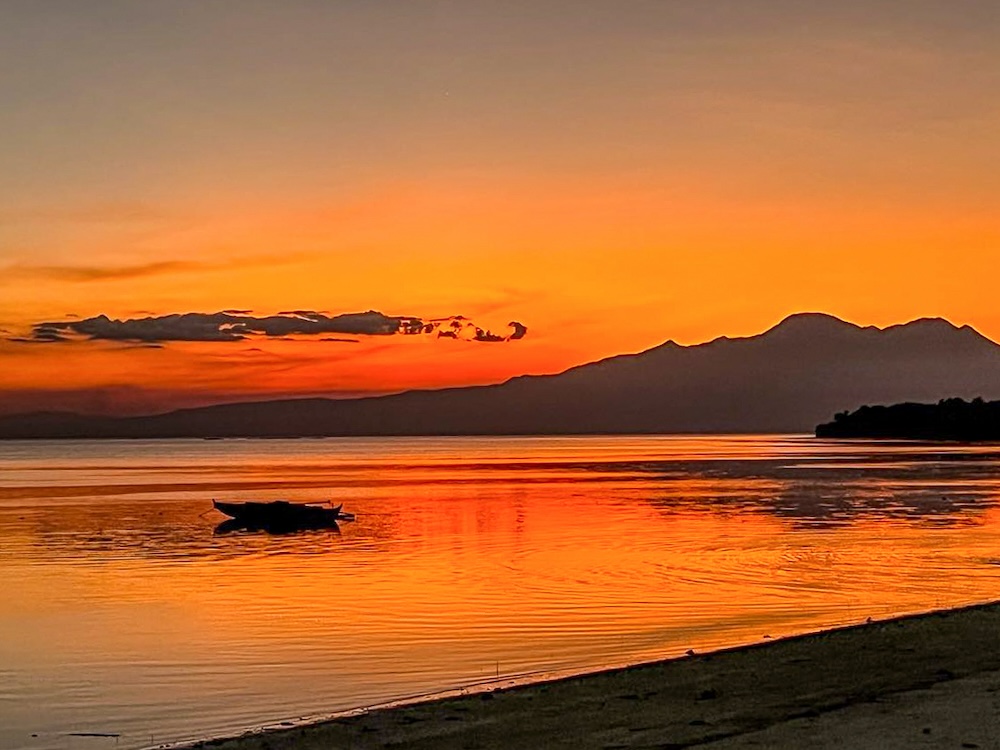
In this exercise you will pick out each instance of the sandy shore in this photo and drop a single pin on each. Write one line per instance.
(925, 681)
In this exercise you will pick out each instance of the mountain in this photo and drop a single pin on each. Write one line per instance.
(788, 379)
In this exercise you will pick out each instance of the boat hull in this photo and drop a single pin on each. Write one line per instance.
(279, 516)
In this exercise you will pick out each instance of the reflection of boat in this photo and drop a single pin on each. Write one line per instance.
(281, 515)
(233, 525)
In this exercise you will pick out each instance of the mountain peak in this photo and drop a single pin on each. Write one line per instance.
(814, 319)
(940, 330)
(940, 324)
(810, 324)
(816, 323)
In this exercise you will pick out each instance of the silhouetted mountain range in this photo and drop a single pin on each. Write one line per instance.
(787, 379)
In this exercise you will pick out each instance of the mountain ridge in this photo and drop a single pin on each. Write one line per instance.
(786, 379)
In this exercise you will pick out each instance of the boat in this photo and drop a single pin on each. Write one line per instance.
(281, 515)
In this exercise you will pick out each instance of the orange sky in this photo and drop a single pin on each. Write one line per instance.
(610, 177)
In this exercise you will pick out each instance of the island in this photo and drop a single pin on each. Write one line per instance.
(949, 419)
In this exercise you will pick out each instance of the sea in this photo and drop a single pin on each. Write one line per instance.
(129, 619)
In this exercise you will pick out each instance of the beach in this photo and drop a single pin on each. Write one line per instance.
(927, 680)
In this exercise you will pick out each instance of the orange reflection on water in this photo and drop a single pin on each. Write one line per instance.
(470, 559)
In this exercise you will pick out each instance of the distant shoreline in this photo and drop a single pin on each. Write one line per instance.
(780, 687)
(396, 436)
(949, 420)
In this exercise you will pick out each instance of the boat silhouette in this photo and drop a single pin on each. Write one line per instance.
(279, 516)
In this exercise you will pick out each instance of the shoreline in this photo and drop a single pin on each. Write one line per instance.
(722, 698)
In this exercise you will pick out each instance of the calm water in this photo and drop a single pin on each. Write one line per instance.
(472, 559)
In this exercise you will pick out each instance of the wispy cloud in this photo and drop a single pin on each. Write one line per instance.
(99, 273)
(72, 273)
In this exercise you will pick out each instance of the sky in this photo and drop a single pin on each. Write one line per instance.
(603, 175)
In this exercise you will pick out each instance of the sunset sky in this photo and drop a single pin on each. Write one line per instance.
(607, 174)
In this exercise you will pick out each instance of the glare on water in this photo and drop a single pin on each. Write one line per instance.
(472, 559)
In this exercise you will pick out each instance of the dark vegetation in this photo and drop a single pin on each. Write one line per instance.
(948, 419)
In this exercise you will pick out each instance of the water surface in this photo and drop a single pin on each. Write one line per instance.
(472, 559)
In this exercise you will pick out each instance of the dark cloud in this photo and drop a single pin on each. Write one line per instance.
(188, 327)
(234, 325)
(43, 333)
(519, 330)
(488, 336)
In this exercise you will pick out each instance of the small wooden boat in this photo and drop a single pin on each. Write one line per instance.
(283, 515)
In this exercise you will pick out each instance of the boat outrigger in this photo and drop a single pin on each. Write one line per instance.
(281, 515)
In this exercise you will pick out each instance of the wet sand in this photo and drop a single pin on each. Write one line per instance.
(924, 681)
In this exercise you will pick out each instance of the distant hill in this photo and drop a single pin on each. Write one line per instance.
(949, 419)
(787, 379)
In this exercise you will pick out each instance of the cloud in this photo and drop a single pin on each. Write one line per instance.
(461, 327)
(233, 325)
(98, 273)
(488, 336)
(92, 273)
(520, 330)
